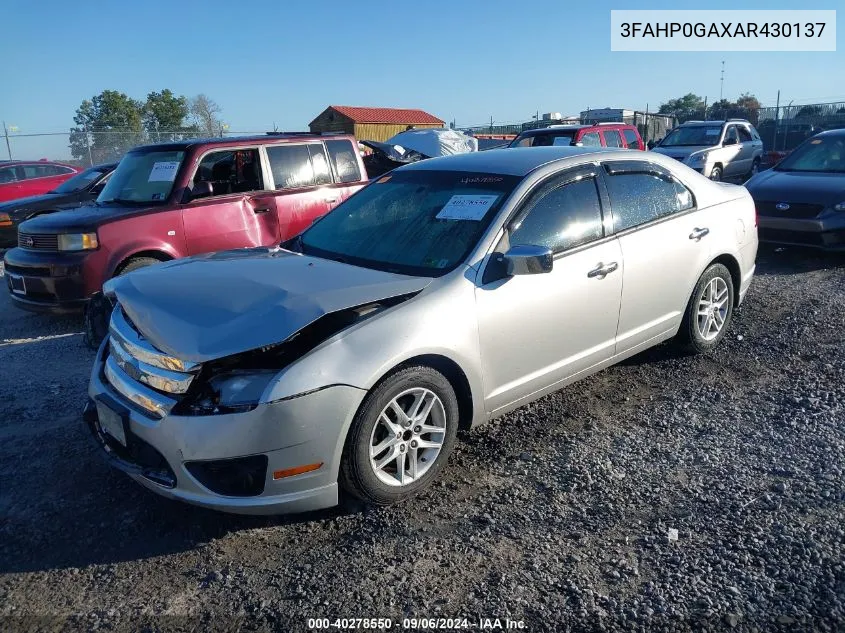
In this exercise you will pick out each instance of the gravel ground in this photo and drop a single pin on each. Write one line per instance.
(670, 493)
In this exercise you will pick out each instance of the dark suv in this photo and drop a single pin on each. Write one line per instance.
(177, 199)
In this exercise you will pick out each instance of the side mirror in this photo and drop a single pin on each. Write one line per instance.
(528, 260)
(203, 189)
(729, 141)
(651, 144)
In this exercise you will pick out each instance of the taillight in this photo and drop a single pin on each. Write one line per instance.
(756, 216)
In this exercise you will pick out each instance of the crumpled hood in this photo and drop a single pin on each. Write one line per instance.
(213, 306)
(800, 187)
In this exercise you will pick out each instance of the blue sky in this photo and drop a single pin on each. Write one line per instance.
(283, 62)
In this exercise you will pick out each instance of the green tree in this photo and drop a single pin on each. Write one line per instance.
(107, 125)
(748, 101)
(682, 104)
(164, 117)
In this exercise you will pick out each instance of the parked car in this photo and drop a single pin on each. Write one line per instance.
(716, 149)
(446, 293)
(19, 178)
(801, 200)
(81, 188)
(599, 135)
(170, 200)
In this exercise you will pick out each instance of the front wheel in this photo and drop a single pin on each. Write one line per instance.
(709, 310)
(401, 437)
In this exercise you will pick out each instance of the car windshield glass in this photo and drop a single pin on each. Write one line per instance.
(693, 135)
(825, 153)
(416, 222)
(544, 140)
(143, 177)
(80, 181)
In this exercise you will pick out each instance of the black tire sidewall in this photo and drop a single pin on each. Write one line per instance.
(357, 476)
(135, 263)
(692, 337)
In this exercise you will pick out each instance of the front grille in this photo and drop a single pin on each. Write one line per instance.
(36, 242)
(796, 210)
(238, 477)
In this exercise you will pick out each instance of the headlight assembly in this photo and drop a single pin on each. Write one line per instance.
(697, 159)
(78, 241)
(233, 391)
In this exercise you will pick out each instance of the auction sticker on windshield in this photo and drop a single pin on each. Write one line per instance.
(164, 171)
(466, 207)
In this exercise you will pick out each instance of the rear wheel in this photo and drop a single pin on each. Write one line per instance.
(137, 262)
(401, 437)
(709, 310)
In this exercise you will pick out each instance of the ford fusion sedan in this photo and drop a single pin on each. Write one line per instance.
(801, 201)
(445, 293)
(83, 187)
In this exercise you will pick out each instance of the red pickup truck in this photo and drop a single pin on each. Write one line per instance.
(178, 199)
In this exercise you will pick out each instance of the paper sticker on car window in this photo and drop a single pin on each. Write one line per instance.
(466, 207)
(164, 171)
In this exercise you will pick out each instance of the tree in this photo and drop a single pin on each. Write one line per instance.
(106, 126)
(748, 101)
(164, 117)
(808, 111)
(204, 112)
(682, 104)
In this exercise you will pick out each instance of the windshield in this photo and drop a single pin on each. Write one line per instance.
(143, 177)
(416, 222)
(544, 140)
(693, 135)
(825, 154)
(80, 181)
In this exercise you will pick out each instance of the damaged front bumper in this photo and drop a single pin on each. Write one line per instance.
(234, 462)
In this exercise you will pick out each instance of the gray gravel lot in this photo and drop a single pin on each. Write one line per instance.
(558, 515)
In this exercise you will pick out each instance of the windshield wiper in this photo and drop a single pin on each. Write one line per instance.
(127, 202)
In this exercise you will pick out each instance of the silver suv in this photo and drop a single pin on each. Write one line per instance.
(718, 149)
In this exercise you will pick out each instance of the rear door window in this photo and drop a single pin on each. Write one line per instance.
(612, 138)
(344, 160)
(291, 166)
(591, 139)
(638, 197)
(322, 173)
(744, 134)
(631, 139)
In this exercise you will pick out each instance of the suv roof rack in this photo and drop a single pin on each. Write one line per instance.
(739, 120)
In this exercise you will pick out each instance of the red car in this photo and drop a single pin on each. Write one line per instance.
(599, 135)
(177, 199)
(20, 178)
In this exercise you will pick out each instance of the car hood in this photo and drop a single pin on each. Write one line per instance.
(217, 305)
(22, 207)
(681, 152)
(81, 219)
(802, 187)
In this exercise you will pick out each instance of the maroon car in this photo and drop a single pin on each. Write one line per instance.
(177, 199)
(22, 178)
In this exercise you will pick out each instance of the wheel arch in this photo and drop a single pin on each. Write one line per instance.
(732, 264)
(153, 254)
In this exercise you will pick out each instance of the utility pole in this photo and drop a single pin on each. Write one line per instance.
(777, 122)
(6, 134)
(722, 80)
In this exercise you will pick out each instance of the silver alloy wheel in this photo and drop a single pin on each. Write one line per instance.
(712, 308)
(408, 436)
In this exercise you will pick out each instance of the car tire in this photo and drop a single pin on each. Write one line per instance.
(716, 173)
(95, 320)
(137, 262)
(709, 311)
(374, 477)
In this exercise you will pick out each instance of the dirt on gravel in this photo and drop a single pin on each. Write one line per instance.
(669, 493)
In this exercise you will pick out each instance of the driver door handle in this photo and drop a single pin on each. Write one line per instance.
(258, 210)
(697, 234)
(602, 270)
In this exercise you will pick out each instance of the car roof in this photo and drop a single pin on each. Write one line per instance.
(836, 132)
(238, 140)
(7, 163)
(512, 161)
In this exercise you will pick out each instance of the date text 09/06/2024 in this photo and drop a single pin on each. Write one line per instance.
(416, 624)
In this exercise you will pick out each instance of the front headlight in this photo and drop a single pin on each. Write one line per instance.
(839, 207)
(233, 391)
(697, 159)
(78, 242)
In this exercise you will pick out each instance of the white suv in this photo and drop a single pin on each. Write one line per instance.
(716, 149)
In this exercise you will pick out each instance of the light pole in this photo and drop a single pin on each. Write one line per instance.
(6, 134)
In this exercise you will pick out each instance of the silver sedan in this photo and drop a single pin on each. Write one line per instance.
(442, 295)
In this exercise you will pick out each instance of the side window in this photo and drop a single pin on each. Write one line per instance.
(744, 134)
(638, 197)
(7, 175)
(591, 139)
(322, 173)
(35, 171)
(344, 159)
(523, 142)
(56, 170)
(731, 134)
(291, 166)
(231, 171)
(612, 138)
(631, 140)
(560, 216)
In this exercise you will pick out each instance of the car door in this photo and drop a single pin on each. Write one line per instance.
(746, 152)
(612, 138)
(302, 193)
(240, 212)
(536, 331)
(663, 239)
(730, 154)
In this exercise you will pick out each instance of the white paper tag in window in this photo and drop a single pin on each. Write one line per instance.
(466, 207)
(164, 171)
